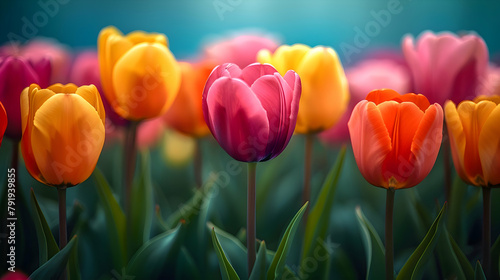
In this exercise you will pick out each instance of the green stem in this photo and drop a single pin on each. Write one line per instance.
(130, 158)
(198, 164)
(306, 192)
(446, 162)
(63, 236)
(486, 229)
(251, 231)
(389, 245)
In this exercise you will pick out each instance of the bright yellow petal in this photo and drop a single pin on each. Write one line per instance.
(289, 57)
(92, 96)
(147, 79)
(138, 37)
(457, 139)
(265, 56)
(67, 139)
(325, 93)
(489, 147)
(60, 88)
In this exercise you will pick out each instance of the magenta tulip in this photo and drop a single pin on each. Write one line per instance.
(251, 112)
(445, 66)
(16, 73)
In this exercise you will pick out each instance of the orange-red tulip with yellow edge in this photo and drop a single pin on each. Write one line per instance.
(140, 76)
(475, 139)
(63, 132)
(395, 138)
(186, 114)
(325, 92)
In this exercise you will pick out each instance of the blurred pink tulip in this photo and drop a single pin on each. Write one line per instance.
(149, 132)
(362, 78)
(445, 66)
(16, 73)
(251, 112)
(14, 276)
(490, 85)
(240, 49)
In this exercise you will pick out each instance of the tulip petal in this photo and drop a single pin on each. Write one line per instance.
(294, 82)
(289, 57)
(426, 144)
(138, 37)
(3, 121)
(67, 139)
(60, 88)
(256, 70)
(473, 116)
(378, 96)
(489, 147)
(148, 79)
(457, 139)
(237, 119)
(401, 121)
(370, 141)
(92, 96)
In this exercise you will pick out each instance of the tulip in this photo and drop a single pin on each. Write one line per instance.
(240, 49)
(149, 133)
(140, 76)
(252, 113)
(186, 114)
(63, 135)
(63, 132)
(490, 85)
(3, 121)
(395, 139)
(16, 73)
(325, 92)
(362, 78)
(445, 66)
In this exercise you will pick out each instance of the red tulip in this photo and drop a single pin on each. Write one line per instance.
(395, 138)
(251, 112)
(445, 66)
(16, 73)
(3, 121)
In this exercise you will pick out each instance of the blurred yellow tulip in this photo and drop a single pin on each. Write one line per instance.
(140, 76)
(63, 132)
(325, 93)
(475, 139)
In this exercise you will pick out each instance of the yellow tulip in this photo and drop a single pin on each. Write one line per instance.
(63, 132)
(140, 76)
(325, 93)
(475, 139)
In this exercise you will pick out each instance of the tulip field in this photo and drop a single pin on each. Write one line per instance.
(255, 157)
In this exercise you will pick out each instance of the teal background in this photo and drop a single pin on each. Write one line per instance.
(190, 23)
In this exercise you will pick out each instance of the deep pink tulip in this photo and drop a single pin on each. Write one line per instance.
(85, 71)
(251, 112)
(490, 85)
(240, 49)
(364, 77)
(42, 48)
(445, 66)
(14, 276)
(3, 121)
(16, 73)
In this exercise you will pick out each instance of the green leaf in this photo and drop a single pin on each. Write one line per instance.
(319, 216)
(451, 268)
(149, 260)
(47, 246)
(226, 269)
(455, 220)
(464, 262)
(288, 274)
(495, 257)
(259, 268)
(188, 211)
(187, 268)
(115, 219)
(54, 267)
(413, 267)
(278, 264)
(234, 250)
(141, 206)
(374, 248)
(479, 273)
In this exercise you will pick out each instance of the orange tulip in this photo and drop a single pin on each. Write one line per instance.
(395, 138)
(63, 132)
(140, 76)
(186, 114)
(475, 139)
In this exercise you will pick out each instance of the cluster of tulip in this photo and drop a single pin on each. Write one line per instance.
(252, 96)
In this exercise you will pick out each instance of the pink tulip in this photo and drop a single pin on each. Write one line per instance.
(364, 77)
(445, 66)
(241, 49)
(14, 276)
(16, 73)
(490, 85)
(149, 132)
(251, 112)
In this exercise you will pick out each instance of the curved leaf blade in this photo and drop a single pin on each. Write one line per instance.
(234, 250)
(259, 268)
(277, 266)
(226, 269)
(479, 273)
(374, 248)
(415, 263)
(54, 267)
